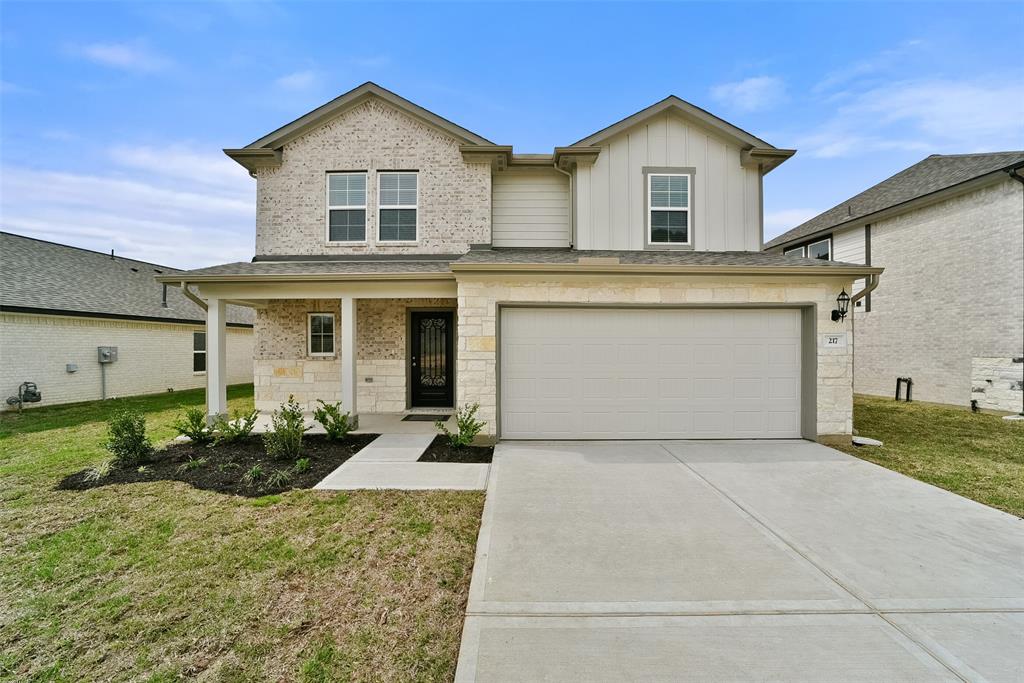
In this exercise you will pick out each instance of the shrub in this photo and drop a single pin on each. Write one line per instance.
(238, 427)
(98, 471)
(284, 440)
(253, 475)
(193, 425)
(469, 426)
(191, 464)
(279, 479)
(336, 423)
(127, 439)
(302, 465)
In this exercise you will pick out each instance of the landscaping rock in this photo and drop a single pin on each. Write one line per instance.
(865, 441)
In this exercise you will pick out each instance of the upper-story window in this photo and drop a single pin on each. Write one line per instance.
(397, 205)
(668, 202)
(822, 249)
(346, 207)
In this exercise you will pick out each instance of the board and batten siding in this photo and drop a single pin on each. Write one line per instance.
(530, 208)
(726, 213)
(848, 246)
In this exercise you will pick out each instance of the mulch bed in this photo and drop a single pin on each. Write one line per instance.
(225, 464)
(440, 450)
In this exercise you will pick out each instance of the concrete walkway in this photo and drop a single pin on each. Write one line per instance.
(736, 561)
(389, 462)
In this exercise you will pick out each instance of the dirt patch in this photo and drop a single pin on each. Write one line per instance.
(224, 468)
(440, 450)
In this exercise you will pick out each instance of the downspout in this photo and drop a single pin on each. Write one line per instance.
(572, 205)
(870, 284)
(195, 299)
(1020, 179)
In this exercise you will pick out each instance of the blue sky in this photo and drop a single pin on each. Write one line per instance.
(113, 115)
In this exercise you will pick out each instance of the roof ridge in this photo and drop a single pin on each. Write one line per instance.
(90, 251)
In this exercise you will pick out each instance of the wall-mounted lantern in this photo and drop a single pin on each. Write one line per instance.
(843, 305)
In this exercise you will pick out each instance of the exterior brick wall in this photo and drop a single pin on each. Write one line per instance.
(951, 294)
(284, 367)
(476, 368)
(152, 357)
(454, 197)
(998, 383)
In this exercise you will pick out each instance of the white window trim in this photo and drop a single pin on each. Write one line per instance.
(206, 358)
(327, 213)
(381, 206)
(687, 209)
(811, 244)
(792, 250)
(309, 335)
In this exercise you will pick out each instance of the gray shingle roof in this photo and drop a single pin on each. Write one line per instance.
(937, 172)
(55, 277)
(346, 267)
(659, 258)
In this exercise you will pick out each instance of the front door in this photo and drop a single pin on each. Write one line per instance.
(432, 377)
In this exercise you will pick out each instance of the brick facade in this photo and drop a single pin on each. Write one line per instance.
(152, 357)
(476, 366)
(454, 197)
(951, 295)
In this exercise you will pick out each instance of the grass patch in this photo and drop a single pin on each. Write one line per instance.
(975, 455)
(161, 581)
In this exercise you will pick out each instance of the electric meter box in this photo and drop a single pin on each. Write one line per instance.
(107, 354)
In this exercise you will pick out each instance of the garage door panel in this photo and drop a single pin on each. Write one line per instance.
(650, 373)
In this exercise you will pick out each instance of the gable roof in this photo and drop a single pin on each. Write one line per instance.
(694, 113)
(932, 175)
(49, 278)
(354, 97)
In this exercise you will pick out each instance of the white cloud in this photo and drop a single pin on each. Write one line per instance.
(883, 61)
(752, 94)
(300, 80)
(778, 222)
(370, 61)
(8, 88)
(172, 205)
(932, 116)
(127, 56)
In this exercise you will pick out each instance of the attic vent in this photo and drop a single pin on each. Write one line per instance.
(135, 270)
(157, 270)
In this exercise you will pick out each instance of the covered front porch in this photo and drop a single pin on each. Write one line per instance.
(381, 344)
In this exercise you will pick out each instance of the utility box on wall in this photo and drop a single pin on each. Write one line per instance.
(107, 354)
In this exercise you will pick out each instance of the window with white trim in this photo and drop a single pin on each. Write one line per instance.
(668, 205)
(795, 251)
(321, 334)
(346, 207)
(397, 206)
(198, 352)
(821, 249)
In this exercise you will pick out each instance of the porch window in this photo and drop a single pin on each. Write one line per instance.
(398, 202)
(346, 207)
(321, 334)
(668, 202)
(198, 352)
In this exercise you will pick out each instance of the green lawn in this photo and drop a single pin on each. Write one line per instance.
(162, 582)
(976, 455)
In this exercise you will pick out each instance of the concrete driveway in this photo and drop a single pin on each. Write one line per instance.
(780, 560)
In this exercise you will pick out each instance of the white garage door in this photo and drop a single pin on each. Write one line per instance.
(650, 373)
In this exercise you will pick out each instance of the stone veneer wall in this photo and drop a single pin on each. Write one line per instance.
(998, 383)
(454, 197)
(283, 367)
(952, 292)
(476, 371)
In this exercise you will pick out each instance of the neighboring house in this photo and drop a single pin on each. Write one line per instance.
(949, 232)
(614, 288)
(59, 304)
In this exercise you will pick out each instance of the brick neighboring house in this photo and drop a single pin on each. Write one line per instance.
(59, 303)
(613, 288)
(949, 232)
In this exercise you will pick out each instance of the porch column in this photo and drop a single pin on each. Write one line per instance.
(348, 356)
(216, 360)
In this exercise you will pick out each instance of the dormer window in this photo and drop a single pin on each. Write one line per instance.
(346, 207)
(398, 199)
(668, 209)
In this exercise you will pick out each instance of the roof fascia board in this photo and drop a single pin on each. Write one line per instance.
(67, 313)
(664, 269)
(684, 108)
(764, 159)
(897, 209)
(352, 98)
(305, 277)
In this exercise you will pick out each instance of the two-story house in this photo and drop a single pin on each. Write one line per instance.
(949, 232)
(614, 288)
